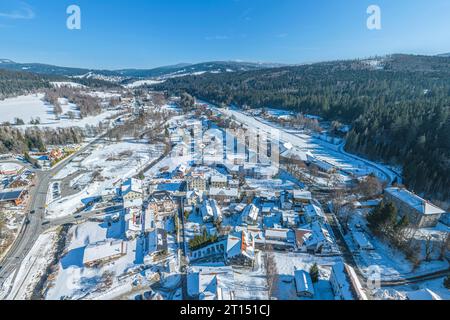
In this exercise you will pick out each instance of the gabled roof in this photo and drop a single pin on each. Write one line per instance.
(240, 244)
(303, 282)
(229, 192)
(314, 211)
(131, 185)
(160, 196)
(211, 283)
(414, 201)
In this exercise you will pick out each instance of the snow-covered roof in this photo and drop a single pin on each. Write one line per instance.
(241, 243)
(294, 153)
(104, 250)
(157, 240)
(9, 167)
(313, 211)
(277, 233)
(301, 235)
(207, 211)
(219, 179)
(210, 209)
(266, 170)
(302, 194)
(211, 283)
(424, 294)
(229, 192)
(129, 203)
(251, 212)
(414, 201)
(131, 185)
(303, 282)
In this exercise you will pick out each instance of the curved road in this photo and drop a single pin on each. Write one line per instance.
(29, 232)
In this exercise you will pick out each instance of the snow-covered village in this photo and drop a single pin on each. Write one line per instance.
(173, 198)
(219, 159)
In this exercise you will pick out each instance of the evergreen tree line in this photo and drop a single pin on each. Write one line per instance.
(21, 141)
(20, 83)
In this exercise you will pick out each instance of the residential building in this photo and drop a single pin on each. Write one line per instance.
(197, 183)
(301, 197)
(313, 213)
(317, 240)
(132, 189)
(250, 214)
(303, 284)
(219, 181)
(162, 204)
(210, 283)
(156, 243)
(211, 211)
(193, 198)
(224, 195)
(420, 212)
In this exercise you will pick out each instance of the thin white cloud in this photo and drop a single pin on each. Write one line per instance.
(24, 12)
(217, 37)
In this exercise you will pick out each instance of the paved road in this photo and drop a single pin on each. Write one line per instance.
(30, 232)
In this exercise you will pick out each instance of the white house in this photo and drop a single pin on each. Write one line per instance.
(210, 283)
(250, 214)
(319, 241)
(211, 211)
(132, 190)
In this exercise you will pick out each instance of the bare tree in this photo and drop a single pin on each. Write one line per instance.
(429, 246)
(271, 270)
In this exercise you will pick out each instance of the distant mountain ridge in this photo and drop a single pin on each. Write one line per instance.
(124, 74)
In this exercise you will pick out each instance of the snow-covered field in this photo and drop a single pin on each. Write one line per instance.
(112, 163)
(32, 106)
(33, 267)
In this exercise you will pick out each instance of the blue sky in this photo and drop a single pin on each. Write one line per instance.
(150, 33)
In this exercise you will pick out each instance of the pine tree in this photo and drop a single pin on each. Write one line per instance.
(314, 273)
